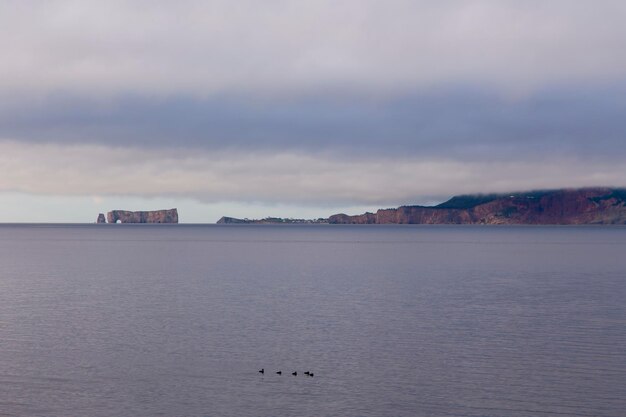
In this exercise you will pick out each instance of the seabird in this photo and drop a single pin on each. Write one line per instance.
(262, 371)
(306, 373)
(295, 373)
(310, 373)
(279, 372)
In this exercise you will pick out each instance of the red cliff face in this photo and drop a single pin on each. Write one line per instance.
(583, 206)
(157, 216)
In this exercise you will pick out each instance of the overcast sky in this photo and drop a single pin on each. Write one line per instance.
(303, 108)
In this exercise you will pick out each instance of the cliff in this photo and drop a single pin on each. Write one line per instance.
(568, 206)
(157, 216)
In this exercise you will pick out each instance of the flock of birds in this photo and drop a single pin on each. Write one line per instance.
(294, 373)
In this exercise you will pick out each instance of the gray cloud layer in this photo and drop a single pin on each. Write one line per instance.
(446, 78)
(276, 177)
(276, 46)
(455, 122)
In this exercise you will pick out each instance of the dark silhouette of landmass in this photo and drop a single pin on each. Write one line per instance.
(270, 220)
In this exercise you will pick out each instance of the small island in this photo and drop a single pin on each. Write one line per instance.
(271, 220)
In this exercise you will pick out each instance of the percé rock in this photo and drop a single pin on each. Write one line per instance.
(567, 206)
(157, 216)
(101, 218)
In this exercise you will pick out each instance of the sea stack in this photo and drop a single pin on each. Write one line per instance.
(157, 216)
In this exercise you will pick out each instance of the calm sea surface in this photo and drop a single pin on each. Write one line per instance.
(141, 320)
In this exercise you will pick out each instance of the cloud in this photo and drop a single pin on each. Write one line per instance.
(457, 122)
(204, 48)
(86, 170)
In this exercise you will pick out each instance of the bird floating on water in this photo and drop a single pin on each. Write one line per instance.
(294, 373)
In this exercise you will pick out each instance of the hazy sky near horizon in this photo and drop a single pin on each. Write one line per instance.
(303, 108)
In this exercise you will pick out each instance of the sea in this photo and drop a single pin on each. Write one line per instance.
(397, 320)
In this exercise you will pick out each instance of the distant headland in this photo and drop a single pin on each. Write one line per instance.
(600, 205)
(271, 220)
(124, 216)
